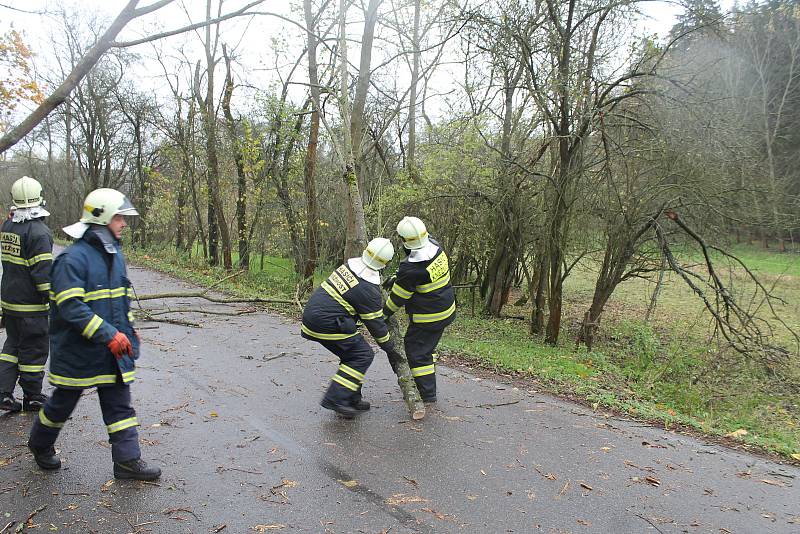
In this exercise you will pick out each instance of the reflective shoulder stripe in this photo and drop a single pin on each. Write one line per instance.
(68, 294)
(105, 294)
(31, 368)
(58, 380)
(338, 298)
(92, 326)
(371, 315)
(326, 337)
(41, 257)
(8, 358)
(427, 288)
(47, 422)
(383, 339)
(24, 307)
(122, 425)
(345, 382)
(433, 317)
(400, 292)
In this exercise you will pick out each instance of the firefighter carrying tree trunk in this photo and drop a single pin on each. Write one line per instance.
(422, 285)
(93, 340)
(27, 249)
(352, 292)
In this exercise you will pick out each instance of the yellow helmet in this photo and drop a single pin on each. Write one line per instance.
(378, 253)
(26, 192)
(413, 233)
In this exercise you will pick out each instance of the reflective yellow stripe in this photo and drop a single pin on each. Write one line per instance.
(15, 260)
(130, 316)
(68, 294)
(345, 382)
(400, 292)
(41, 257)
(8, 358)
(47, 422)
(427, 288)
(433, 317)
(128, 377)
(352, 372)
(91, 327)
(391, 305)
(31, 368)
(43, 287)
(24, 307)
(383, 339)
(333, 293)
(105, 294)
(327, 337)
(122, 425)
(58, 380)
(423, 371)
(371, 315)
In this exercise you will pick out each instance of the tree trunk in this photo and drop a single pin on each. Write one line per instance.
(412, 106)
(241, 177)
(309, 171)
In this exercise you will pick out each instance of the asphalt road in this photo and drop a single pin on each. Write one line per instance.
(230, 413)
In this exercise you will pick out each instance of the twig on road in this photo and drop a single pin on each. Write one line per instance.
(651, 523)
(487, 406)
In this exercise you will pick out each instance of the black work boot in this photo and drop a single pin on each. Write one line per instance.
(136, 469)
(429, 400)
(45, 458)
(361, 405)
(9, 403)
(348, 412)
(34, 403)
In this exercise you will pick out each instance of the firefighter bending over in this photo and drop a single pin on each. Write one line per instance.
(351, 292)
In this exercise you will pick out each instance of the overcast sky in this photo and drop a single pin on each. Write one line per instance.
(255, 47)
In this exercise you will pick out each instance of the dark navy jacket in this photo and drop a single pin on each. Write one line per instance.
(91, 302)
(423, 287)
(27, 249)
(334, 307)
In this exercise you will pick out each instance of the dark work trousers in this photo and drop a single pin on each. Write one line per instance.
(118, 414)
(420, 345)
(24, 354)
(355, 356)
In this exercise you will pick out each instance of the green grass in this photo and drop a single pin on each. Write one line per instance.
(668, 370)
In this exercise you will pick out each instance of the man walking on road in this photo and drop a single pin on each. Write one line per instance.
(423, 286)
(27, 251)
(93, 342)
(351, 292)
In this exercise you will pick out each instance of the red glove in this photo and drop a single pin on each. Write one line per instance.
(120, 345)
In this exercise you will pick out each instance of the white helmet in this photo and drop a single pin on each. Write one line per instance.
(100, 207)
(378, 253)
(26, 192)
(102, 204)
(413, 233)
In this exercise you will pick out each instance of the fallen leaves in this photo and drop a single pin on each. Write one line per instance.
(402, 498)
(796, 456)
(265, 528)
(107, 485)
(653, 481)
(348, 483)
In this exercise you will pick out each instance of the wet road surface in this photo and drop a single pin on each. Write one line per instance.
(230, 413)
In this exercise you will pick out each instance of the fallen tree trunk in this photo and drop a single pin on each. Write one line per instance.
(400, 366)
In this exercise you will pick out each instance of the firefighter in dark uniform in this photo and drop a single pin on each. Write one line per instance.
(423, 286)
(350, 293)
(27, 251)
(92, 339)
